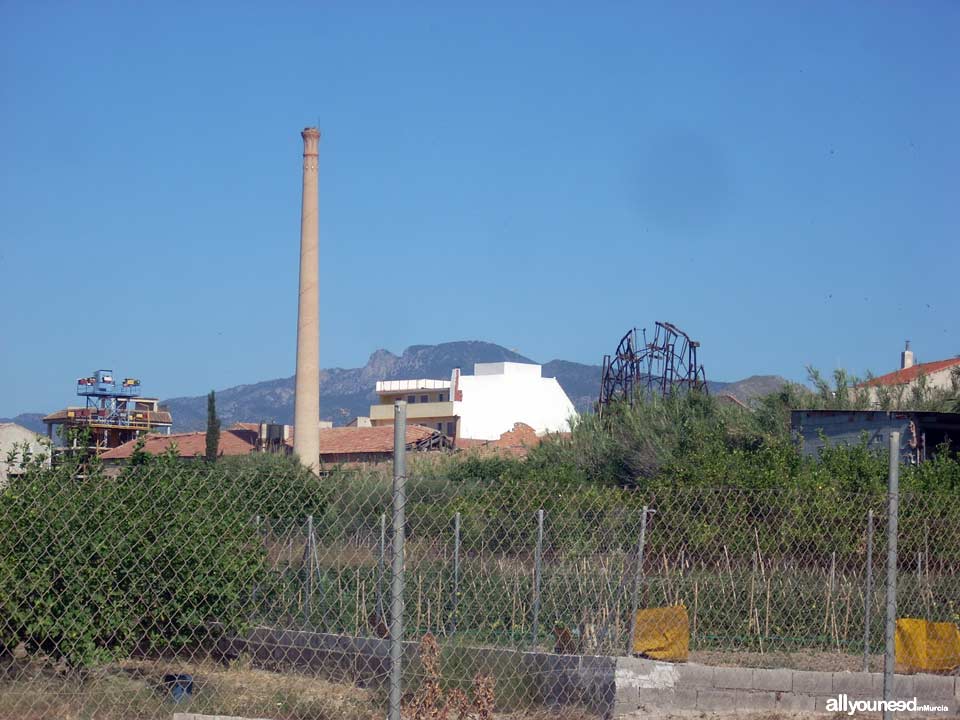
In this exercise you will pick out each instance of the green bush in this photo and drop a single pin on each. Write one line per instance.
(95, 567)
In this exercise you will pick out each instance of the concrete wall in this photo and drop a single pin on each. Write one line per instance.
(498, 395)
(546, 679)
(603, 687)
(648, 687)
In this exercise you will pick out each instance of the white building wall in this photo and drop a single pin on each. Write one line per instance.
(498, 395)
(936, 380)
(12, 434)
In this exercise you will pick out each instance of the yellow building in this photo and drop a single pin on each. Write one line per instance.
(429, 403)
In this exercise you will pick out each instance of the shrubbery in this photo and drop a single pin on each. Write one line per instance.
(701, 463)
(95, 567)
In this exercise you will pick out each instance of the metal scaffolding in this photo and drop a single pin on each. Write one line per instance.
(659, 366)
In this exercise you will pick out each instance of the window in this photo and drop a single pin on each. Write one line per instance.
(451, 429)
(424, 398)
(440, 427)
(411, 399)
(441, 397)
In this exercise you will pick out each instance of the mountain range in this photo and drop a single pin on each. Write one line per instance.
(348, 392)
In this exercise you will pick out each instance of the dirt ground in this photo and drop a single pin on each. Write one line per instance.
(798, 660)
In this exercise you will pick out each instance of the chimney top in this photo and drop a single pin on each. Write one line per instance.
(311, 141)
(906, 357)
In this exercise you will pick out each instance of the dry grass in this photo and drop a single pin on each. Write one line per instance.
(826, 661)
(134, 690)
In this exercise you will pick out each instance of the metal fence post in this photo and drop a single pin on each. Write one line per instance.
(868, 593)
(456, 573)
(637, 574)
(893, 502)
(381, 561)
(308, 561)
(537, 562)
(396, 587)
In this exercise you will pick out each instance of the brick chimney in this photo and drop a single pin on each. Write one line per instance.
(306, 412)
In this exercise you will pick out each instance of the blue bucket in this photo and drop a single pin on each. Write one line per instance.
(179, 687)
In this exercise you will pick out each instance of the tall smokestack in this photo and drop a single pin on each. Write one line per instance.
(306, 414)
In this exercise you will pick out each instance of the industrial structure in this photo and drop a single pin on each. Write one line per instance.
(113, 414)
(660, 366)
(306, 409)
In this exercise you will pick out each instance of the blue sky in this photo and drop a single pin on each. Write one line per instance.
(779, 179)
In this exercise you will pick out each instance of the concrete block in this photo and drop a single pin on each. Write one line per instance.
(812, 682)
(646, 673)
(635, 665)
(796, 702)
(903, 687)
(858, 684)
(820, 703)
(934, 687)
(777, 680)
(733, 678)
(695, 675)
(597, 665)
(713, 700)
(750, 700)
(685, 699)
(658, 701)
(627, 699)
(654, 700)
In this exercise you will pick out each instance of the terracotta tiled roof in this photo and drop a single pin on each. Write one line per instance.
(188, 445)
(356, 440)
(907, 375)
(466, 443)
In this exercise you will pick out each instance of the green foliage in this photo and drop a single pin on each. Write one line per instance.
(95, 566)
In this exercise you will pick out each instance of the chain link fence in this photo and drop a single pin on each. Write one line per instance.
(255, 589)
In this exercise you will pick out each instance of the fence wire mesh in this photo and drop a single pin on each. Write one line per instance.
(259, 590)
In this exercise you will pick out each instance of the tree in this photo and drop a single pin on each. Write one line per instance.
(213, 427)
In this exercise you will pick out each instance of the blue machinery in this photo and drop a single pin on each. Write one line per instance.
(110, 404)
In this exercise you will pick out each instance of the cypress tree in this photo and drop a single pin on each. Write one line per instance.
(213, 427)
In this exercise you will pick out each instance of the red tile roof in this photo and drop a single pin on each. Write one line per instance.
(350, 440)
(356, 440)
(188, 445)
(907, 375)
(241, 439)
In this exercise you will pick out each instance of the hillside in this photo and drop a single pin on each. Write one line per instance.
(348, 392)
(31, 421)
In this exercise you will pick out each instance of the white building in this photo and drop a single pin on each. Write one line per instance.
(938, 376)
(481, 406)
(13, 437)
